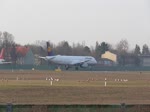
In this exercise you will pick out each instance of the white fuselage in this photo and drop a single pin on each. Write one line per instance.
(2, 61)
(71, 60)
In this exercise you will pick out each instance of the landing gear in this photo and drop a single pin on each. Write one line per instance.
(58, 67)
(66, 67)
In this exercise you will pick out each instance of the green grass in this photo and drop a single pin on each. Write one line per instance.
(74, 87)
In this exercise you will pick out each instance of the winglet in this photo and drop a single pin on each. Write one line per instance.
(2, 53)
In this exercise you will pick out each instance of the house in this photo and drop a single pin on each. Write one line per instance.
(145, 60)
(108, 59)
(105, 62)
(24, 55)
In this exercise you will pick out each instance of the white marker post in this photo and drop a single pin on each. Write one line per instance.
(105, 82)
(51, 79)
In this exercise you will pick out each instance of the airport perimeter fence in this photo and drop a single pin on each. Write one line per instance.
(94, 68)
(75, 108)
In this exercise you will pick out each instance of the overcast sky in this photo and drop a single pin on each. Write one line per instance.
(77, 20)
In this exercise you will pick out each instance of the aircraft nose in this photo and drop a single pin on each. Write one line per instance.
(95, 61)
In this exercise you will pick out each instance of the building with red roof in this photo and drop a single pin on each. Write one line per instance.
(22, 50)
(24, 55)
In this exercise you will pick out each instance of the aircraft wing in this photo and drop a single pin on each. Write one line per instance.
(76, 62)
(42, 58)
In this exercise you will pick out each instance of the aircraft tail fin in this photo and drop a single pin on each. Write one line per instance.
(2, 53)
(49, 50)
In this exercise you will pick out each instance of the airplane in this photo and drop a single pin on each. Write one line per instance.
(68, 61)
(2, 60)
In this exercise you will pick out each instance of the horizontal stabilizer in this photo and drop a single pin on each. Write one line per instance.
(5, 62)
(47, 58)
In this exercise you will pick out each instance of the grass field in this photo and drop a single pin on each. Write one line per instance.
(34, 87)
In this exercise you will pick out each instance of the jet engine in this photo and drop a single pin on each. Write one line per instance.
(84, 65)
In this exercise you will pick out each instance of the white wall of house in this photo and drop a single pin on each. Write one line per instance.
(110, 56)
(28, 59)
(146, 61)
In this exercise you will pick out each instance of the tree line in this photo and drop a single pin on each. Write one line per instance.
(64, 48)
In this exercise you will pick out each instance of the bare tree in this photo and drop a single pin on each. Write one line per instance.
(77, 49)
(123, 46)
(63, 48)
(43, 44)
(13, 54)
(122, 49)
(7, 42)
(40, 47)
(1, 38)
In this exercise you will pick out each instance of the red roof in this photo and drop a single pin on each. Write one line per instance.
(19, 49)
(22, 50)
